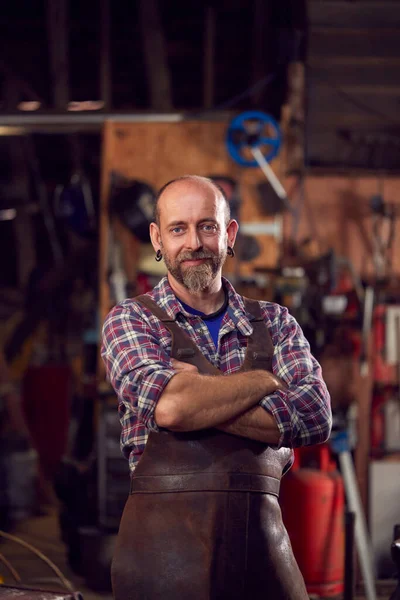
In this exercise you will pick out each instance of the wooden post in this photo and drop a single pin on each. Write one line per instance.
(105, 62)
(209, 51)
(258, 49)
(19, 86)
(155, 55)
(22, 224)
(57, 31)
(295, 138)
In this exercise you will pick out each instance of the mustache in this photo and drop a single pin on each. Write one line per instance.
(195, 255)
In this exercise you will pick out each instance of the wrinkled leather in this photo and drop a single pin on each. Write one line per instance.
(202, 520)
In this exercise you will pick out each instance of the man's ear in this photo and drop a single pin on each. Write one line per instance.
(231, 230)
(155, 236)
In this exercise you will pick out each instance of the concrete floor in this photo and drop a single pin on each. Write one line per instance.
(43, 532)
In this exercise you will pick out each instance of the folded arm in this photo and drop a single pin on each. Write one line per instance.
(255, 422)
(192, 401)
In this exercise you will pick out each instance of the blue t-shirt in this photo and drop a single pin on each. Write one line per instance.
(212, 321)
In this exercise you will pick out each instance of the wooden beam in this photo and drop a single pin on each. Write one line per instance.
(352, 119)
(260, 26)
(57, 31)
(356, 31)
(154, 48)
(105, 61)
(295, 117)
(362, 89)
(357, 61)
(349, 171)
(340, 75)
(20, 85)
(334, 13)
(209, 59)
(380, 45)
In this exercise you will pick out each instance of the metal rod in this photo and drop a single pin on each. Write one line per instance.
(65, 582)
(269, 174)
(366, 328)
(361, 534)
(90, 118)
(9, 566)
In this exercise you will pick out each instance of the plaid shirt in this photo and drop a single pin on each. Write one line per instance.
(136, 352)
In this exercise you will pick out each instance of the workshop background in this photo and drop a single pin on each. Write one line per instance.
(292, 106)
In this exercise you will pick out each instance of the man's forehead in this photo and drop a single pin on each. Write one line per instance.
(182, 195)
(190, 186)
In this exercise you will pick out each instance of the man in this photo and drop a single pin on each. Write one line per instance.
(214, 392)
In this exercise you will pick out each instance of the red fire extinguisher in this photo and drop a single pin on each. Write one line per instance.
(312, 502)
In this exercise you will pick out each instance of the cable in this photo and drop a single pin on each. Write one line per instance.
(42, 556)
(9, 566)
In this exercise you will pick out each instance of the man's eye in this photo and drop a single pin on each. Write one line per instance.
(177, 230)
(209, 228)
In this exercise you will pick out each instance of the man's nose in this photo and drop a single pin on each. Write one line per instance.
(193, 240)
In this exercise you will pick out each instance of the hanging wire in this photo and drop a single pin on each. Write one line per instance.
(43, 557)
(9, 566)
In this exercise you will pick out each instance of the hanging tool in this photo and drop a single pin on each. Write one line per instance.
(384, 216)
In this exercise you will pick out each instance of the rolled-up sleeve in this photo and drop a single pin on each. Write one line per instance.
(303, 412)
(136, 365)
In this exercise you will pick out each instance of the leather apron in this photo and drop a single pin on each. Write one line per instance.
(202, 521)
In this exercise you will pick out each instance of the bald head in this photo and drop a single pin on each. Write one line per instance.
(196, 180)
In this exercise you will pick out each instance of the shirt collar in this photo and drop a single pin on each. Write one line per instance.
(166, 299)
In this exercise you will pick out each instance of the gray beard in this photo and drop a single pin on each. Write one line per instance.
(198, 278)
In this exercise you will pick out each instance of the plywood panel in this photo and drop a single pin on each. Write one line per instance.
(339, 208)
(157, 152)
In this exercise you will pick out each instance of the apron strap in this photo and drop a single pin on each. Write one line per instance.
(182, 347)
(259, 346)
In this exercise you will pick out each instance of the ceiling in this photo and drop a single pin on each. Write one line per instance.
(353, 84)
(351, 49)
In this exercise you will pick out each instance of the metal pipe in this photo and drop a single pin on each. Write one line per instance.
(361, 534)
(269, 174)
(88, 118)
(17, 124)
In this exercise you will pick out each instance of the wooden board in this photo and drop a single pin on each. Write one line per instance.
(337, 214)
